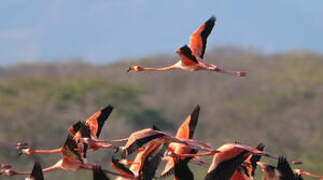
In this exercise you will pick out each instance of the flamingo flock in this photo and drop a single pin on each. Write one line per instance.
(159, 154)
(231, 161)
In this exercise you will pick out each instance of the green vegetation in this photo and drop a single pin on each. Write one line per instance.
(279, 103)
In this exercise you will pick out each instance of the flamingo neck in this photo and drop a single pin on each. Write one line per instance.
(47, 151)
(160, 69)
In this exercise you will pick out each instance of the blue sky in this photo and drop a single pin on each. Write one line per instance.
(102, 31)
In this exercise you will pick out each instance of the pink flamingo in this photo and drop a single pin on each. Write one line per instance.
(191, 57)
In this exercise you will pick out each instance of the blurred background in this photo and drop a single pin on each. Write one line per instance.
(61, 61)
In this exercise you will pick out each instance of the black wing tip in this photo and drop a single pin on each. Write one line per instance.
(261, 146)
(37, 172)
(197, 108)
(98, 173)
(212, 18)
(155, 127)
(76, 126)
(185, 48)
(108, 108)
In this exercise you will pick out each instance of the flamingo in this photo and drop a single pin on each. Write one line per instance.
(90, 130)
(72, 160)
(228, 159)
(138, 138)
(185, 131)
(191, 57)
(145, 163)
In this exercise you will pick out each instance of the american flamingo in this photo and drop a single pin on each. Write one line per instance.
(72, 160)
(228, 159)
(145, 163)
(191, 57)
(90, 131)
(185, 131)
(138, 138)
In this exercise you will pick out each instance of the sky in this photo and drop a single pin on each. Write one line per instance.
(103, 31)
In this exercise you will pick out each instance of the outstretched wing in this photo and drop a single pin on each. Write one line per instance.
(186, 56)
(75, 127)
(37, 173)
(121, 168)
(70, 149)
(187, 128)
(138, 142)
(152, 161)
(199, 37)
(96, 121)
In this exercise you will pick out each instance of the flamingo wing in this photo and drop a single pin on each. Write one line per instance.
(182, 171)
(37, 173)
(98, 174)
(285, 171)
(198, 39)
(187, 128)
(152, 161)
(227, 162)
(252, 160)
(187, 58)
(69, 149)
(75, 127)
(96, 121)
(121, 168)
(136, 143)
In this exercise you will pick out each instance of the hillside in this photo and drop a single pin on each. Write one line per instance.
(279, 103)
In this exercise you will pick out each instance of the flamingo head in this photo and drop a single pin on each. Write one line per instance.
(135, 68)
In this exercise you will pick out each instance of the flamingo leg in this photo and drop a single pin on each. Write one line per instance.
(234, 73)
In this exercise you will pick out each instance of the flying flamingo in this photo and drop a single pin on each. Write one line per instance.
(228, 159)
(145, 163)
(185, 131)
(72, 160)
(90, 130)
(139, 138)
(191, 57)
